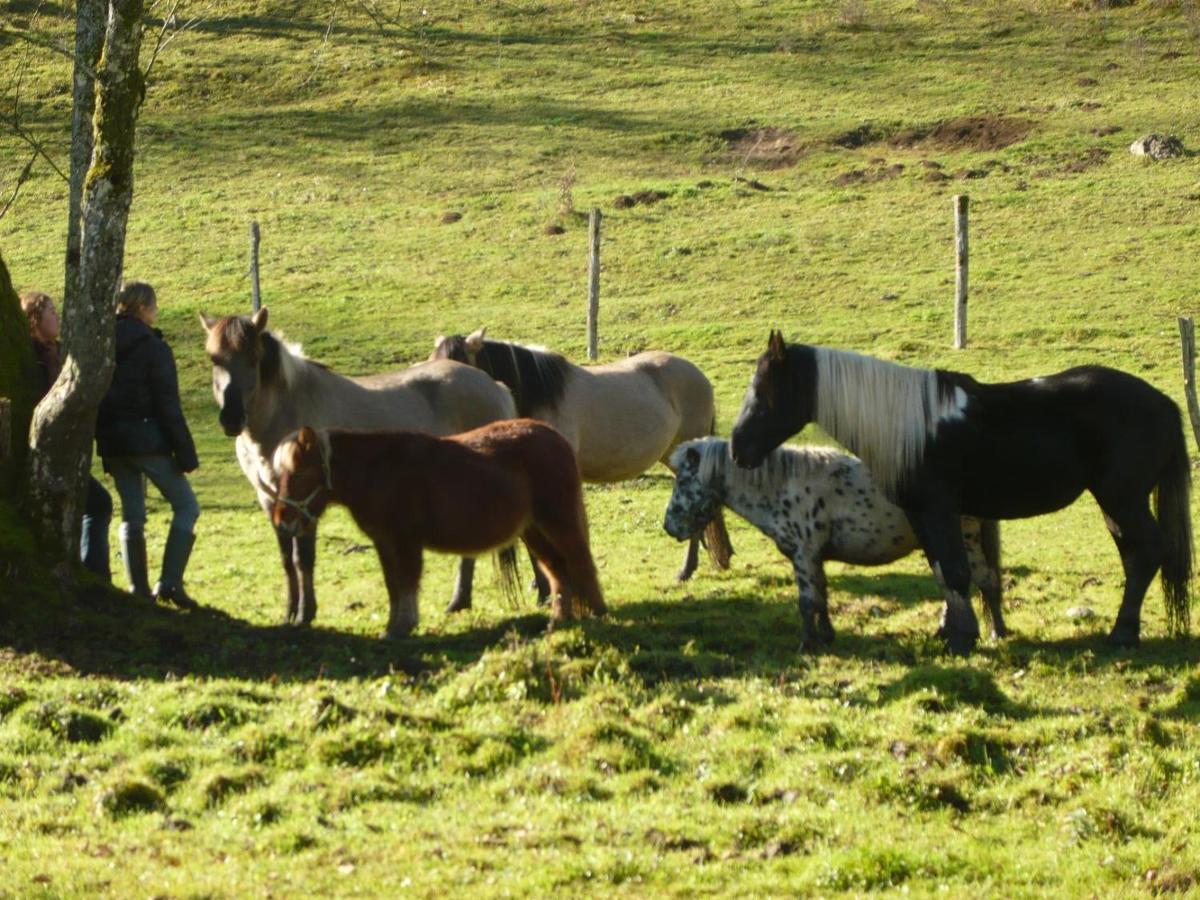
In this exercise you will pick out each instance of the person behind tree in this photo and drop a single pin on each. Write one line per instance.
(141, 433)
(98, 507)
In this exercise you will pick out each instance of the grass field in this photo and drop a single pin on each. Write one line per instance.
(806, 154)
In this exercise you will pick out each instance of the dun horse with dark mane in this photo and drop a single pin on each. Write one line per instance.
(467, 494)
(267, 389)
(621, 417)
(942, 445)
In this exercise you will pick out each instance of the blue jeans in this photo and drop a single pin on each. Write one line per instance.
(93, 543)
(164, 474)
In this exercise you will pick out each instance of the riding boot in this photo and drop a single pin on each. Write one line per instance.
(133, 551)
(175, 559)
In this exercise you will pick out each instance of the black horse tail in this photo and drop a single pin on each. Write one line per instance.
(1172, 502)
(507, 576)
(716, 537)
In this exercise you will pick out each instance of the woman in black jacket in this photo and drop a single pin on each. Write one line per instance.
(141, 433)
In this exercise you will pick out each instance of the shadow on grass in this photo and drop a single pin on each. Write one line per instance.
(106, 632)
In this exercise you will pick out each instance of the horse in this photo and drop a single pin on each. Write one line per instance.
(620, 417)
(266, 389)
(816, 504)
(943, 445)
(467, 494)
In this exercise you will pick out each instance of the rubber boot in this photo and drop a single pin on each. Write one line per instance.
(175, 560)
(133, 551)
(93, 541)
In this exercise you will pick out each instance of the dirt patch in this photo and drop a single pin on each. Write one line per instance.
(451, 216)
(968, 133)
(767, 147)
(641, 198)
(554, 228)
(1086, 82)
(1089, 160)
(1106, 130)
(876, 173)
(867, 133)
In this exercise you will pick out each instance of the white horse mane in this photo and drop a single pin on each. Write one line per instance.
(882, 411)
(783, 465)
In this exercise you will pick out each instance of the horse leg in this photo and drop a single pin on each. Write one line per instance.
(540, 584)
(304, 556)
(402, 573)
(815, 626)
(463, 582)
(548, 560)
(289, 570)
(690, 559)
(983, 551)
(1140, 543)
(574, 556)
(940, 533)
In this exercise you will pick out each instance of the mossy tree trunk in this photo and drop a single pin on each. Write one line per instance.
(60, 439)
(90, 19)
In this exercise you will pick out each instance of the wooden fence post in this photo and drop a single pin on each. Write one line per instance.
(255, 295)
(1187, 340)
(593, 313)
(960, 271)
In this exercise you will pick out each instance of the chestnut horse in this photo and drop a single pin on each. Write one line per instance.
(267, 389)
(620, 417)
(467, 494)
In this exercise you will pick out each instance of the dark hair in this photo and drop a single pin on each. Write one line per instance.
(135, 295)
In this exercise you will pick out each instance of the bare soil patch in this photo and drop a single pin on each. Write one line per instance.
(878, 172)
(764, 147)
(641, 198)
(968, 133)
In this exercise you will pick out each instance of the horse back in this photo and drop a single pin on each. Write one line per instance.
(441, 397)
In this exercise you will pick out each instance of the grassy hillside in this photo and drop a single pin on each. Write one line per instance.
(759, 165)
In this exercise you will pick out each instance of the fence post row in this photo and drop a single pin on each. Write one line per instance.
(593, 312)
(960, 271)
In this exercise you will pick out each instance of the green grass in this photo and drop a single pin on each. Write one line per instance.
(683, 745)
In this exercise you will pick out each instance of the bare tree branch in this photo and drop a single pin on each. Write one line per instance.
(171, 30)
(21, 179)
(324, 44)
(39, 41)
(14, 125)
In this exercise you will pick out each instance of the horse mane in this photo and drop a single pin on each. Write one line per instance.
(882, 411)
(537, 377)
(281, 361)
(782, 466)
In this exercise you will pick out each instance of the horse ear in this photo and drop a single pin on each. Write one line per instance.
(259, 320)
(306, 437)
(692, 456)
(775, 345)
(207, 321)
(475, 339)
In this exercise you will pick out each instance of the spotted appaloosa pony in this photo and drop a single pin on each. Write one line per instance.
(943, 445)
(816, 504)
(267, 389)
(621, 417)
(467, 494)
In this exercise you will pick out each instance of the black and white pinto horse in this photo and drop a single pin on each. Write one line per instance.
(943, 445)
(816, 504)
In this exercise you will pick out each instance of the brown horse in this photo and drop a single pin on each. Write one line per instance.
(620, 417)
(467, 494)
(267, 389)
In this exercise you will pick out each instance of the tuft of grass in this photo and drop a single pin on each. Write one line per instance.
(129, 796)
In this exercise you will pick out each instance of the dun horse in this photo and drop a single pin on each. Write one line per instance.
(465, 494)
(816, 504)
(267, 389)
(943, 445)
(621, 418)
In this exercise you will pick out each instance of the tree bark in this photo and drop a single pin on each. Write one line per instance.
(90, 19)
(60, 439)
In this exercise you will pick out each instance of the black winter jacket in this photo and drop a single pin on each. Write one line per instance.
(140, 415)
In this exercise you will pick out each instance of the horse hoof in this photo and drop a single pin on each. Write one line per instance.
(398, 633)
(961, 645)
(457, 605)
(1123, 639)
(684, 575)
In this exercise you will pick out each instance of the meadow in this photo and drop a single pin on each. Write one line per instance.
(427, 169)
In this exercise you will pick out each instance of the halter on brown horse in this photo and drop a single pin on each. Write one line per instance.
(467, 494)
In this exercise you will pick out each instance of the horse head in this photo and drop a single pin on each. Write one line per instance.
(695, 498)
(458, 347)
(238, 347)
(303, 482)
(778, 403)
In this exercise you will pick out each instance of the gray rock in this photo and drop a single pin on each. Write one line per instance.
(1157, 146)
(1081, 613)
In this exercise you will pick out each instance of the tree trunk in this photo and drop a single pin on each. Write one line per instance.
(18, 374)
(90, 19)
(60, 440)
